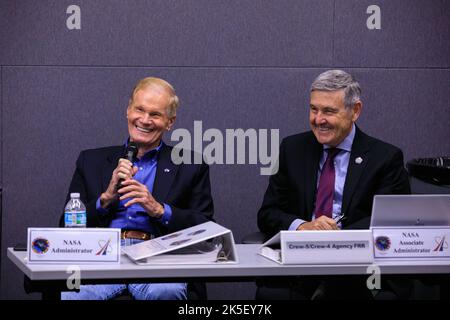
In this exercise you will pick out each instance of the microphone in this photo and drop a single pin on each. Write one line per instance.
(130, 154)
(132, 151)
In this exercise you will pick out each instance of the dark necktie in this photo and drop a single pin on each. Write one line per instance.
(325, 191)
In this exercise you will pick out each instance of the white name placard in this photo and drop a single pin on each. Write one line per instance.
(73, 245)
(418, 242)
(320, 247)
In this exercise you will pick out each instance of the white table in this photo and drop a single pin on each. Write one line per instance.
(249, 267)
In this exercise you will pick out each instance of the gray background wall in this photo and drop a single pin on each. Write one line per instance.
(235, 64)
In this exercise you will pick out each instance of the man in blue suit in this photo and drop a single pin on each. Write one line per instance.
(148, 197)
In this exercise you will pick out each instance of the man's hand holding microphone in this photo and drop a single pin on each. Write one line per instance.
(122, 186)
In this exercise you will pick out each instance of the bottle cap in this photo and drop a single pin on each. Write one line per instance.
(75, 195)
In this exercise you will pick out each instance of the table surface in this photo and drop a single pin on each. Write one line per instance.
(250, 265)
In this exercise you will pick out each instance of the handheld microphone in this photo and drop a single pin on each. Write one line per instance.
(132, 151)
(130, 154)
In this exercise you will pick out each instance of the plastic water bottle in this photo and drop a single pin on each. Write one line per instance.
(75, 212)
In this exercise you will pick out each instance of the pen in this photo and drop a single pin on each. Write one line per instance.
(341, 218)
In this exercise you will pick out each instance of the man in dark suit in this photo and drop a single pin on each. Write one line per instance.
(328, 176)
(148, 197)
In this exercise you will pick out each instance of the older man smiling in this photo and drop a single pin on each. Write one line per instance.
(328, 177)
(147, 197)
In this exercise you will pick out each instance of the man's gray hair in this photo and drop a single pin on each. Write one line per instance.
(334, 80)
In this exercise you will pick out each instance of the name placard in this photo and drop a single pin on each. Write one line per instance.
(320, 247)
(419, 242)
(73, 245)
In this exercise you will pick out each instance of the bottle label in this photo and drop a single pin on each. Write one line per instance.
(75, 219)
(69, 220)
(81, 218)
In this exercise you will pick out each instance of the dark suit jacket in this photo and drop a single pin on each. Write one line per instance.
(185, 187)
(291, 192)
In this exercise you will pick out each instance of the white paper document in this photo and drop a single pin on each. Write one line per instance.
(202, 244)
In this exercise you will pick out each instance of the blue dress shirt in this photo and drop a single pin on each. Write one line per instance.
(340, 166)
(135, 217)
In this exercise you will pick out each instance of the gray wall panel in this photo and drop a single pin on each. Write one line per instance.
(169, 33)
(413, 33)
(408, 108)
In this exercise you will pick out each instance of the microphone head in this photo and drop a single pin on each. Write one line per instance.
(132, 151)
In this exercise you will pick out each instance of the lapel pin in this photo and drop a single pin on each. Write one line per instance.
(358, 160)
(166, 170)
